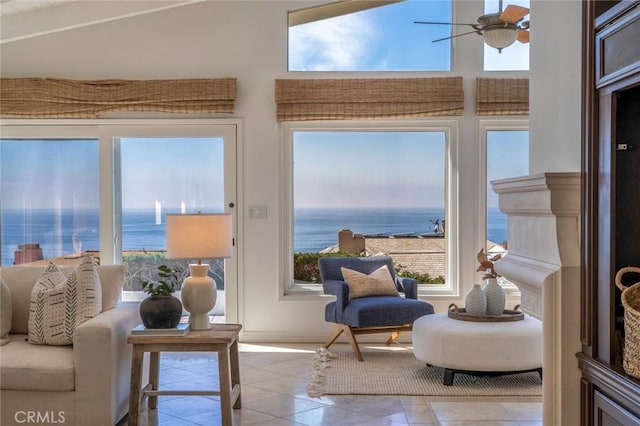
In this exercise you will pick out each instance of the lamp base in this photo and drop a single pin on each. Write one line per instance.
(199, 322)
(199, 296)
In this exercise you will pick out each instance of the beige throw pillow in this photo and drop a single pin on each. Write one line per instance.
(5, 313)
(377, 283)
(59, 304)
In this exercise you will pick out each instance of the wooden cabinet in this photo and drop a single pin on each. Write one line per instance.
(611, 205)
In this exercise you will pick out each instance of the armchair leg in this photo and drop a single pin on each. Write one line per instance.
(353, 342)
(337, 331)
(393, 337)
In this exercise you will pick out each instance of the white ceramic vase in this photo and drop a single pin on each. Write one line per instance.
(475, 302)
(495, 297)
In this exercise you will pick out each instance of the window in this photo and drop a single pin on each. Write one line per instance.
(512, 58)
(364, 191)
(105, 186)
(359, 36)
(160, 176)
(49, 199)
(507, 155)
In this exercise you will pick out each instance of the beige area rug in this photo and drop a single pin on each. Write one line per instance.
(398, 372)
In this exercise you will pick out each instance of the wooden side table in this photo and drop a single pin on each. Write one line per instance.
(221, 338)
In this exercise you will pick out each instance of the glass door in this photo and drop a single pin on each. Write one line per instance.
(160, 171)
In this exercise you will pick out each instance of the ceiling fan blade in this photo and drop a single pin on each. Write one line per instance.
(457, 35)
(523, 36)
(474, 26)
(513, 13)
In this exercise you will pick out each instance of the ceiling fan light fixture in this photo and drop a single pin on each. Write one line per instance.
(500, 37)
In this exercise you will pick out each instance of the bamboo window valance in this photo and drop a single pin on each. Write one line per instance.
(502, 96)
(60, 98)
(348, 99)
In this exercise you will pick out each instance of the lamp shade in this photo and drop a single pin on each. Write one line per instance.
(199, 236)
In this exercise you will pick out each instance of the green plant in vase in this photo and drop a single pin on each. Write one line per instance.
(161, 309)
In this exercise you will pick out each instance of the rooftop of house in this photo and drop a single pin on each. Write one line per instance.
(423, 254)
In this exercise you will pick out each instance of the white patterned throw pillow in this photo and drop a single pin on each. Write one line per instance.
(59, 304)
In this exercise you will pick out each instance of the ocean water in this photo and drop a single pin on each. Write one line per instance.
(316, 229)
(64, 232)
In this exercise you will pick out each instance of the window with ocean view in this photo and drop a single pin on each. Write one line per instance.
(362, 193)
(161, 176)
(507, 155)
(49, 199)
(511, 145)
(104, 187)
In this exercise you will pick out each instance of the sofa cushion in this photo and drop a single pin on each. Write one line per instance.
(377, 283)
(5, 313)
(23, 366)
(21, 279)
(59, 304)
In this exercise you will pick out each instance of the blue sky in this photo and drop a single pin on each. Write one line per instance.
(171, 171)
(369, 169)
(382, 38)
(48, 173)
(26, 178)
(383, 169)
(387, 39)
(507, 156)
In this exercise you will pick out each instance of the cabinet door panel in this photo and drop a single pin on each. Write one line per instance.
(608, 413)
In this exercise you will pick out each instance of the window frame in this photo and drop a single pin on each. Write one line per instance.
(485, 126)
(291, 290)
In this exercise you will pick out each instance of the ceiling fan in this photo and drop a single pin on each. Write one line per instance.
(498, 30)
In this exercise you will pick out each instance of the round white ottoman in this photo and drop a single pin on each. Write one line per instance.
(479, 348)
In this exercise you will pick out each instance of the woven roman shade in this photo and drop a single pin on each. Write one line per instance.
(502, 96)
(60, 98)
(368, 98)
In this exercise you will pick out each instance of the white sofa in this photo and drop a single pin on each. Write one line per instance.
(83, 384)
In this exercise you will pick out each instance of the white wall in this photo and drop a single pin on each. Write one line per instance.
(555, 86)
(247, 40)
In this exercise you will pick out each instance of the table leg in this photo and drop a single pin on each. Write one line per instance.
(134, 391)
(154, 378)
(225, 386)
(235, 373)
(448, 377)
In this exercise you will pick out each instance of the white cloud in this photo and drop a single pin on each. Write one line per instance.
(341, 43)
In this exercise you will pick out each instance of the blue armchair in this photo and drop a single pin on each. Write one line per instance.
(370, 314)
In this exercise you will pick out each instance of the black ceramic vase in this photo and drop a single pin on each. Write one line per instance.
(160, 311)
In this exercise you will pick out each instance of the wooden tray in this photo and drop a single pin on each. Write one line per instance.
(507, 315)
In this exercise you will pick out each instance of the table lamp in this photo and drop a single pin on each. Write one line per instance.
(196, 237)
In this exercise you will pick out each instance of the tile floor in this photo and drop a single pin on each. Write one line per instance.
(274, 379)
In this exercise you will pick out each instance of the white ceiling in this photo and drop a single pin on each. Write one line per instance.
(22, 19)
(10, 7)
